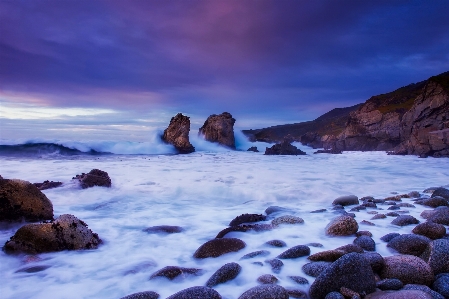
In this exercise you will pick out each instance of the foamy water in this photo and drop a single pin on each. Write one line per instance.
(201, 192)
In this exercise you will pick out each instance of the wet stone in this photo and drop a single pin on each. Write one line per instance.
(425, 289)
(395, 207)
(389, 237)
(33, 269)
(276, 265)
(441, 285)
(163, 229)
(247, 218)
(364, 222)
(299, 279)
(227, 272)
(334, 295)
(314, 244)
(346, 200)
(408, 269)
(287, 219)
(430, 230)
(269, 291)
(259, 253)
(367, 243)
(319, 211)
(409, 244)
(172, 272)
(295, 252)
(363, 233)
(276, 243)
(389, 284)
(295, 293)
(218, 247)
(267, 279)
(342, 226)
(392, 214)
(314, 269)
(142, 295)
(404, 220)
(196, 292)
(379, 216)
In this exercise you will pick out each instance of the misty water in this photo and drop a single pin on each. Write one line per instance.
(201, 192)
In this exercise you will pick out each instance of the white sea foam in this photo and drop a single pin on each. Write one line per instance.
(202, 192)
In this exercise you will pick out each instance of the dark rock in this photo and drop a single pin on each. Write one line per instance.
(299, 279)
(437, 256)
(342, 226)
(348, 293)
(33, 269)
(259, 253)
(247, 218)
(276, 265)
(163, 229)
(430, 189)
(276, 243)
(440, 215)
(142, 295)
(395, 207)
(267, 279)
(328, 151)
(219, 129)
(295, 252)
(430, 230)
(95, 177)
(366, 243)
(65, 233)
(392, 214)
(414, 194)
(314, 244)
(269, 291)
(275, 209)
(442, 192)
(335, 254)
(404, 220)
(433, 202)
(284, 148)
(391, 284)
(425, 289)
(287, 219)
(334, 295)
(319, 211)
(351, 271)
(177, 134)
(196, 292)
(390, 203)
(171, 272)
(295, 293)
(408, 269)
(227, 272)
(22, 200)
(405, 205)
(218, 247)
(378, 216)
(369, 205)
(47, 185)
(389, 237)
(244, 228)
(364, 222)
(409, 244)
(402, 294)
(375, 260)
(314, 269)
(441, 285)
(346, 200)
(253, 149)
(363, 233)
(357, 208)
(338, 207)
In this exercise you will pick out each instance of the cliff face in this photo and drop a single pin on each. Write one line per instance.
(411, 120)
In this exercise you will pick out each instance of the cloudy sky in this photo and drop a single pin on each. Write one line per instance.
(118, 69)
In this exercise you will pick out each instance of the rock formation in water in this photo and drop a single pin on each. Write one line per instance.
(219, 129)
(284, 148)
(95, 177)
(177, 134)
(22, 200)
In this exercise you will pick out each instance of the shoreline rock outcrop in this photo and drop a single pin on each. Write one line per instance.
(21, 200)
(65, 233)
(95, 177)
(177, 134)
(219, 129)
(284, 148)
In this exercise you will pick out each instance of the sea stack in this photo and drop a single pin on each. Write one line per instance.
(177, 134)
(219, 129)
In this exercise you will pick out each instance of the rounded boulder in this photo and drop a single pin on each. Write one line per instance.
(430, 230)
(218, 247)
(437, 256)
(65, 233)
(268, 291)
(346, 200)
(409, 244)
(342, 226)
(23, 200)
(407, 268)
(196, 292)
(227, 272)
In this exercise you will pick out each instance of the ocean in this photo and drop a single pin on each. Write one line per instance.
(200, 192)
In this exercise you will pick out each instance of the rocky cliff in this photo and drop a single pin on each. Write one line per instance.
(219, 129)
(177, 134)
(411, 120)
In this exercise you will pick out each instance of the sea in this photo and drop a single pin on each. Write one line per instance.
(200, 192)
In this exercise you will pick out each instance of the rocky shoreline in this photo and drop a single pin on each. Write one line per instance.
(417, 268)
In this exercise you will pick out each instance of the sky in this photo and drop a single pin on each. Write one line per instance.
(120, 69)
